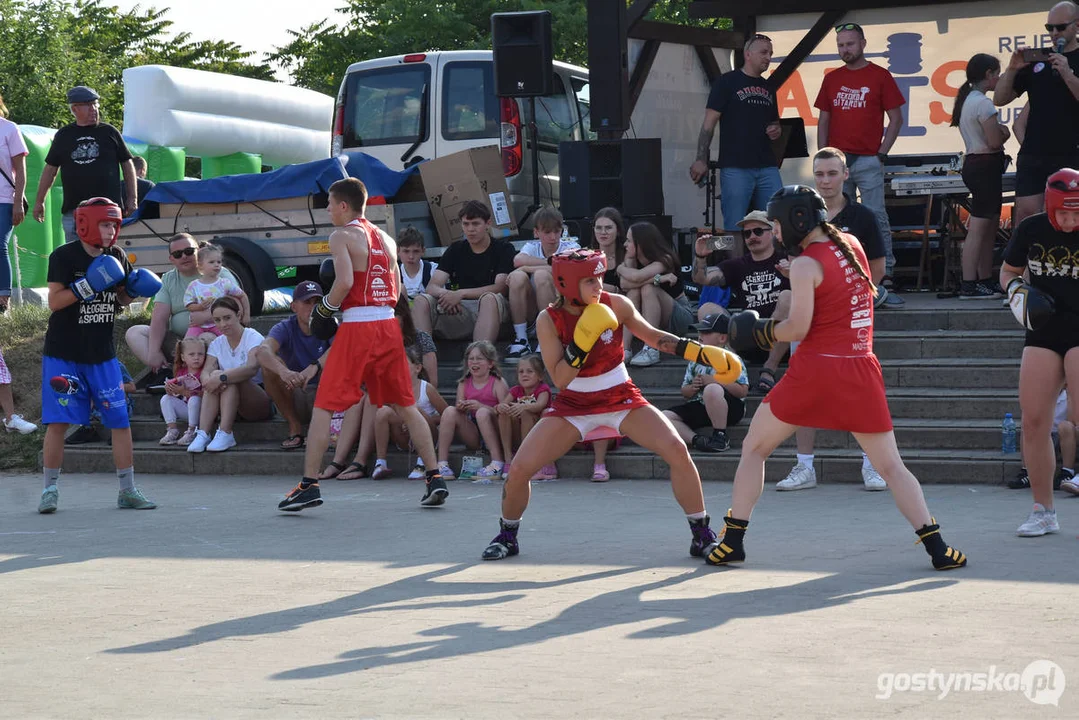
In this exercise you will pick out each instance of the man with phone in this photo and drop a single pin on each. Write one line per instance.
(1050, 78)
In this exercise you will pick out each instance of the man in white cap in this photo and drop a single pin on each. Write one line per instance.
(292, 360)
(89, 155)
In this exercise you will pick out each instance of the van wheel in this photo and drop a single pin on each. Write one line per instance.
(246, 279)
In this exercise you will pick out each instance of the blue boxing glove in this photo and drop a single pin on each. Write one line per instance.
(142, 283)
(104, 272)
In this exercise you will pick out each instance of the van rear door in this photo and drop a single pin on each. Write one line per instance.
(387, 112)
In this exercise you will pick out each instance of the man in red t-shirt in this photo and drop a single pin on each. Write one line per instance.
(853, 101)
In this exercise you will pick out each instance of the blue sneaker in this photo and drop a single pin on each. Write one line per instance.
(49, 498)
(133, 499)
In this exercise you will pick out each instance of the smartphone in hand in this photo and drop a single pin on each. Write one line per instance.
(1036, 54)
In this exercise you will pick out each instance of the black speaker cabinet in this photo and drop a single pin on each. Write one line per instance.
(523, 60)
(608, 66)
(626, 174)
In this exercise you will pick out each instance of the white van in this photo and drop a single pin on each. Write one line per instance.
(409, 108)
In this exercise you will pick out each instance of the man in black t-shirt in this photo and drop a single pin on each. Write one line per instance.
(89, 281)
(89, 155)
(758, 281)
(1052, 87)
(467, 292)
(745, 108)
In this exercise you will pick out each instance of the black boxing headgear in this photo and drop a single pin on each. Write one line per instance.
(797, 209)
(90, 213)
(569, 267)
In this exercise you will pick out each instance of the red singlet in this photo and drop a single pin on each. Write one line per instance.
(834, 381)
(603, 384)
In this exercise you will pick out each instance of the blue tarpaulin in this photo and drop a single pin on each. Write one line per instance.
(285, 182)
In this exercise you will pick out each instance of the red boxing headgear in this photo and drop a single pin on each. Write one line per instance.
(1061, 193)
(569, 267)
(92, 212)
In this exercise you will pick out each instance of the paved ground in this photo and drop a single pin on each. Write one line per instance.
(216, 605)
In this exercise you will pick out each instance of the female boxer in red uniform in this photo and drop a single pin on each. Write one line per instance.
(832, 316)
(368, 350)
(580, 338)
(1047, 246)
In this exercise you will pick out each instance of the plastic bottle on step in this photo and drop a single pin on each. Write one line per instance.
(1007, 434)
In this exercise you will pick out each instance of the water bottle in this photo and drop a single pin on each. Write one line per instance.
(1007, 441)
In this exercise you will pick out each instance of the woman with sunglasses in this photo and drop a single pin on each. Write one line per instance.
(1051, 83)
(153, 344)
(1046, 246)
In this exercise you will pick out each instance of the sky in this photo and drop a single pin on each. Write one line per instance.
(258, 25)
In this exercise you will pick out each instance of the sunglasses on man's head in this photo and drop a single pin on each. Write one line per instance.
(758, 36)
(849, 26)
(753, 231)
(188, 251)
(1059, 27)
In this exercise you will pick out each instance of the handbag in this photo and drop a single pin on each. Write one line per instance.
(25, 204)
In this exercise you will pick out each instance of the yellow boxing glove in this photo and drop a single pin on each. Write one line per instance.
(595, 319)
(725, 363)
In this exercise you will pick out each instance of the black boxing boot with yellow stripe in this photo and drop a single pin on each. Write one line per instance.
(729, 547)
(944, 556)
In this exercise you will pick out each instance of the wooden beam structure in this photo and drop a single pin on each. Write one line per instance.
(824, 25)
(636, 12)
(708, 63)
(708, 9)
(641, 70)
(684, 35)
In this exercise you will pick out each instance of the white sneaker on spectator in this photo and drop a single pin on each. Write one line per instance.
(801, 477)
(202, 439)
(381, 471)
(170, 437)
(418, 473)
(518, 348)
(645, 358)
(1040, 522)
(872, 479)
(19, 425)
(1071, 485)
(222, 441)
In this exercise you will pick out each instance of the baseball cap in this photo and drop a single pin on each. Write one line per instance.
(755, 216)
(81, 94)
(716, 322)
(306, 290)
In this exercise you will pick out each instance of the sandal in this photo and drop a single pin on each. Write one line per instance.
(353, 467)
(337, 469)
(293, 442)
(764, 384)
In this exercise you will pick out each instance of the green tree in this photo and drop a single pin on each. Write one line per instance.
(48, 46)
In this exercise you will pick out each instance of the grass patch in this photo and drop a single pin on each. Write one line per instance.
(22, 339)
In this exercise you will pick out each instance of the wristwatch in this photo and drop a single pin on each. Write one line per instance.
(223, 378)
(656, 279)
(882, 156)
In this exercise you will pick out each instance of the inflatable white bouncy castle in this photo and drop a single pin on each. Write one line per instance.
(212, 114)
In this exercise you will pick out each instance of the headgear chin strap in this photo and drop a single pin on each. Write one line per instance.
(1061, 193)
(90, 213)
(797, 209)
(569, 267)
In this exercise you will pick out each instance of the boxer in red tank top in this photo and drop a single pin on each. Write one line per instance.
(580, 338)
(832, 316)
(368, 349)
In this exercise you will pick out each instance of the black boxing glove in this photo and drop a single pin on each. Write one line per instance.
(1031, 307)
(323, 322)
(749, 331)
(326, 274)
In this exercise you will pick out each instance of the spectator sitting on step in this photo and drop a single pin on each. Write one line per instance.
(467, 293)
(292, 359)
(531, 284)
(650, 279)
(1064, 422)
(758, 281)
(472, 417)
(521, 410)
(230, 380)
(183, 393)
(209, 286)
(153, 344)
(415, 271)
(983, 173)
(609, 237)
(709, 403)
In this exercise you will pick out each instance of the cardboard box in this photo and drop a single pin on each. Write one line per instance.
(474, 174)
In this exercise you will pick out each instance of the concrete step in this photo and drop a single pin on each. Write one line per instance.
(986, 315)
(910, 433)
(832, 465)
(915, 402)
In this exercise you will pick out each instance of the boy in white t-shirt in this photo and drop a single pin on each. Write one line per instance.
(415, 271)
(531, 284)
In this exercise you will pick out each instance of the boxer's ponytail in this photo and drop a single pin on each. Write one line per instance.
(848, 252)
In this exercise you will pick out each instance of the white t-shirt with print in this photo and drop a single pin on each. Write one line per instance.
(535, 248)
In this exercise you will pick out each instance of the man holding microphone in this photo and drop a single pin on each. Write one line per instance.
(1052, 87)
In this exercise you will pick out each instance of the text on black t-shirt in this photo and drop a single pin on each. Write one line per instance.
(89, 159)
(746, 106)
(754, 284)
(468, 269)
(82, 332)
(1051, 256)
